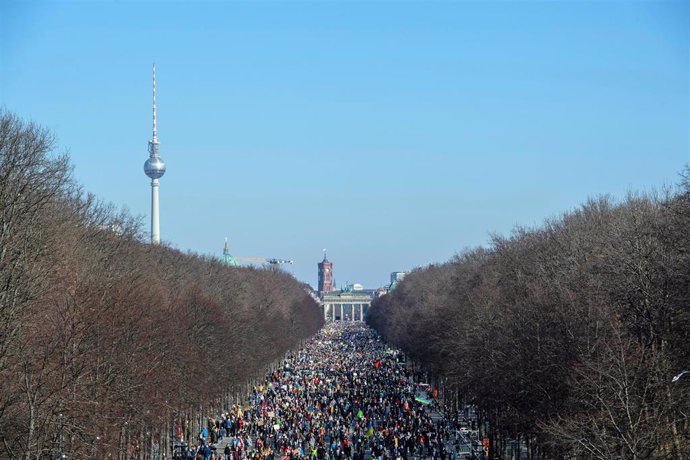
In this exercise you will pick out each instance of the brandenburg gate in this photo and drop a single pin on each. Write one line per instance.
(345, 306)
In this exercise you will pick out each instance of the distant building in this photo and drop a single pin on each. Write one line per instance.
(381, 292)
(228, 259)
(355, 287)
(325, 276)
(346, 305)
(396, 277)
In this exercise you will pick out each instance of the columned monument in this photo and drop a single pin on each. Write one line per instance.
(345, 306)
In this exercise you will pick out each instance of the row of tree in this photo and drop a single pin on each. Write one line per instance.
(108, 344)
(567, 336)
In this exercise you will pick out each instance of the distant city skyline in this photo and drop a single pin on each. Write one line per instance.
(394, 134)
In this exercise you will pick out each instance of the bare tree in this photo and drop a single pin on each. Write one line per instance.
(106, 341)
(563, 335)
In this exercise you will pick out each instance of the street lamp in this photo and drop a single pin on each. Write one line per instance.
(679, 376)
(61, 421)
(93, 446)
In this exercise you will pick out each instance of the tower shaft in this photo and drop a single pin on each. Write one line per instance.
(155, 218)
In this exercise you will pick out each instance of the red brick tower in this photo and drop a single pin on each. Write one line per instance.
(325, 275)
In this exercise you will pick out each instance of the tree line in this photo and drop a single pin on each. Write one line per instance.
(108, 344)
(565, 337)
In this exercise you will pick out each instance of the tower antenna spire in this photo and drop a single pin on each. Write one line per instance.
(155, 137)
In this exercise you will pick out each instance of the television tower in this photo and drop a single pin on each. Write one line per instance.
(154, 168)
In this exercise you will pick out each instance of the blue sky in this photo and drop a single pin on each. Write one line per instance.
(394, 134)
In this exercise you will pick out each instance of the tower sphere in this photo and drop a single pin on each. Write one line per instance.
(154, 167)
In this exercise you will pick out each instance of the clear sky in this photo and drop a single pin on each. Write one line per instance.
(394, 134)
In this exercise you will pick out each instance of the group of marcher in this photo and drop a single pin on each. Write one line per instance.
(345, 395)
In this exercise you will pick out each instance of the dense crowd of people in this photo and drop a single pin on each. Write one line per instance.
(345, 395)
